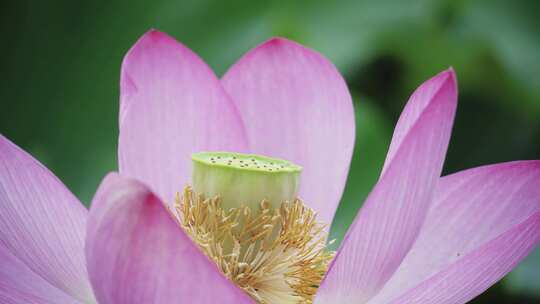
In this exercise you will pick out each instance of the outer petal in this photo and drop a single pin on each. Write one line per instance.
(392, 215)
(295, 105)
(41, 223)
(19, 284)
(137, 253)
(482, 223)
(172, 105)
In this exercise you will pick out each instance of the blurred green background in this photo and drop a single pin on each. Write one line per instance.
(60, 63)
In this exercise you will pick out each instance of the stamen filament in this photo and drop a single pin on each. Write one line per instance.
(276, 255)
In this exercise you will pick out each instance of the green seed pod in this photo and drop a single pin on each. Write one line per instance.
(244, 179)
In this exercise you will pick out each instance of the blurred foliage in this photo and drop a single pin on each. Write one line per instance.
(60, 64)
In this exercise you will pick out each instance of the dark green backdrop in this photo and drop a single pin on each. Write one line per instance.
(60, 65)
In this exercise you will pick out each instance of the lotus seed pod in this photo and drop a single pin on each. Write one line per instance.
(244, 179)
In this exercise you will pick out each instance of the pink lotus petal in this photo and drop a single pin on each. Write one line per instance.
(416, 105)
(172, 105)
(482, 222)
(392, 216)
(295, 105)
(41, 223)
(478, 270)
(18, 284)
(137, 253)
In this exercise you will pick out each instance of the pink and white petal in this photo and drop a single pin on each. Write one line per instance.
(18, 284)
(137, 253)
(482, 222)
(416, 105)
(172, 105)
(478, 270)
(390, 220)
(42, 224)
(295, 105)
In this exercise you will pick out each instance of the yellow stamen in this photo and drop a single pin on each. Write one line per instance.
(275, 255)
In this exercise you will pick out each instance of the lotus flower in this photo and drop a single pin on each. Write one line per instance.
(418, 238)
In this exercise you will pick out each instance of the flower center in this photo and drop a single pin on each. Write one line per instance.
(275, 250)
(244, 179)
